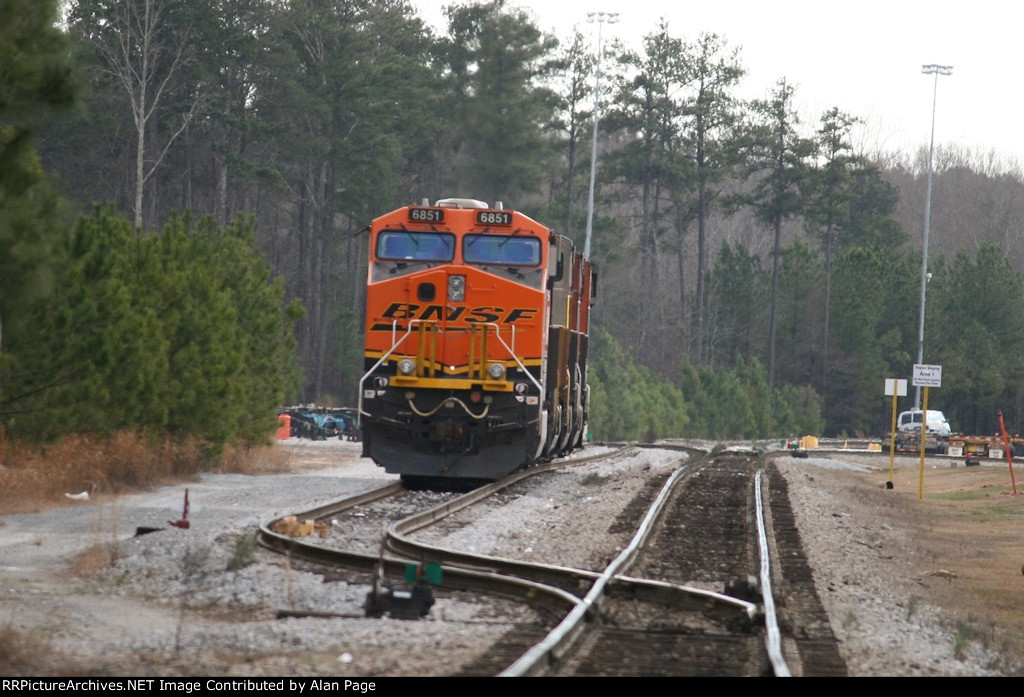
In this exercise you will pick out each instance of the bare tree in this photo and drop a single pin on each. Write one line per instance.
(144, 52)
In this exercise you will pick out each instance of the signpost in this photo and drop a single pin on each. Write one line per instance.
(895, 388)
(925, 376)
(1006, 449)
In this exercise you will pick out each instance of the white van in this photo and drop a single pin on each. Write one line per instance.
(910, 422)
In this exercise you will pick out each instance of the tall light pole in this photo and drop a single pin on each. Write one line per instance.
(600, 18)
(935, 70)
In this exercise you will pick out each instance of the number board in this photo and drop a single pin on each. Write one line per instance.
(426, 215)
(494, 218)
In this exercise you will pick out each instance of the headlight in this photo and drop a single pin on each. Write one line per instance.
(496, 371)
(457, 288)
(406, 366)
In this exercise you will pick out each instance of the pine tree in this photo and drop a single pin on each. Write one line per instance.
(779, 159)
(181, 333)
(497, 65)
(35, 76)
(650, 106)
(713, 146)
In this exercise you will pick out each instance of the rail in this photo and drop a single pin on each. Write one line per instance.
(537, 660)
(773, 640)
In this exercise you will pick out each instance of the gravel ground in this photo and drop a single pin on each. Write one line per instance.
(167, 604)
(536, 521)
(870, 582)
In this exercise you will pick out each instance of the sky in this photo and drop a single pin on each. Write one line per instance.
(862, 56)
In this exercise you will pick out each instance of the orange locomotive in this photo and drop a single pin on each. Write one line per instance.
(476, 342)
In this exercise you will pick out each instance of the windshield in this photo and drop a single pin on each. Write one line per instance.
(501, 250)
(936, 420)
(400, 245)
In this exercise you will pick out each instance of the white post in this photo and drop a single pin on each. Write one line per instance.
(935, 70)
(600, 18)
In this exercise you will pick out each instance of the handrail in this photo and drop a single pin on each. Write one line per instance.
(387, 354)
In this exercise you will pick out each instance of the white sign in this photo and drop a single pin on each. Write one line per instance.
(895, 387)
(927, 375)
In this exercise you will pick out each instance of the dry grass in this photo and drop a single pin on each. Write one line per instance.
(94, 559)
(23, 654)
(37, 477)
(26, 654)
(261, 460)
(104, 528)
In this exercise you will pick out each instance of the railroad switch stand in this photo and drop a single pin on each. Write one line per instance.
(404, 604)
(399, 604)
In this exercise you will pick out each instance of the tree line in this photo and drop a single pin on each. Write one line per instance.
(744, 248)
(182, 333)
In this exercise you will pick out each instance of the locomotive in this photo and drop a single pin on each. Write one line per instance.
(476, 342)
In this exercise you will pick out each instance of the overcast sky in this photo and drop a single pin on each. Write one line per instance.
(863, 56)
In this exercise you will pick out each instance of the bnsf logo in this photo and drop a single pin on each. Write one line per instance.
(486, 313)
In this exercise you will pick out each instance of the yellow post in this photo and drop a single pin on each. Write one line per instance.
(892, 435)
(924, 435)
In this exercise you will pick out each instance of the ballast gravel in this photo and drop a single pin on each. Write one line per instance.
(78, 585)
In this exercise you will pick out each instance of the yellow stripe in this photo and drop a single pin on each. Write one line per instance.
(449, 384)
(509, 364)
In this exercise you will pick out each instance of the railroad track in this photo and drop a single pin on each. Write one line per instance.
(539, 583)
(678, 600)
(700, 539)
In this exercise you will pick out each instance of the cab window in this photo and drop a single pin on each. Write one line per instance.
(501, 250)
(402, 245)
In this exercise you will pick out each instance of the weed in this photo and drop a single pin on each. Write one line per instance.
(92, 559)
(594, 479)
(244, 553)
(289, 580)
(960, 644)
(850, 621)
(193, 571)
(104, 551)
(192, 562)
(912, 604)
(22, 653)
(12, 649)
(965, 634)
